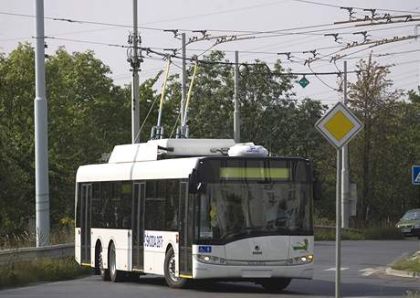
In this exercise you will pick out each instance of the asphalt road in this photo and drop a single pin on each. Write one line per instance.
(363, 264)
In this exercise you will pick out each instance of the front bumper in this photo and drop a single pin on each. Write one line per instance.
(410, 232)
(214, 271)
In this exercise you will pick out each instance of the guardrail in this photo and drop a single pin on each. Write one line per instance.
(29, 253)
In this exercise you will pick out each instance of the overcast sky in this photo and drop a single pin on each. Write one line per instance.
(226, 17)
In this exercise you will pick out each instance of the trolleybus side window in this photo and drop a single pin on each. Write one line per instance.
(162, 201)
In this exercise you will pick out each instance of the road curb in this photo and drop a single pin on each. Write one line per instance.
(401, 273)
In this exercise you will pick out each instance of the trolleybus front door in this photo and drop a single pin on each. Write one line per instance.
(138, 224)
(85, 221)
(186, 229)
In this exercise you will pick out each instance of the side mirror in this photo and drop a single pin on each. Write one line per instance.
(194, 184)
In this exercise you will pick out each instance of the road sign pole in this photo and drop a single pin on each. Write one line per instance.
(338, 225)
(345, 202)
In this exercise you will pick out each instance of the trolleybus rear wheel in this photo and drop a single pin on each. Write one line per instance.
(114, 274)
(100, 260)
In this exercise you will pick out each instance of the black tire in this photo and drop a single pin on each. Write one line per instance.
(169, 268)
(98, 248)
(114, 274)
(275, 284)
(102, 271)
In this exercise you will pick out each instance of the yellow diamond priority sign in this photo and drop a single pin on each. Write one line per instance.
(339, 125)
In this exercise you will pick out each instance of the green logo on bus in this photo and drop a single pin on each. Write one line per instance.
(301, 245)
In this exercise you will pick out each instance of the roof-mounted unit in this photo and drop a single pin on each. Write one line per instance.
(170, 148)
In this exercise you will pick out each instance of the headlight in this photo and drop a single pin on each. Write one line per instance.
(302, 260)
(210, 259)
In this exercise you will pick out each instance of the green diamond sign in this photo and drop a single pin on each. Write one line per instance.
(303, 82)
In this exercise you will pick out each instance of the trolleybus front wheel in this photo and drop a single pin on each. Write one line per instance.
(169, 268)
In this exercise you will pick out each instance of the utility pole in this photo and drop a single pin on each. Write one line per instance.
(345, 181)
(236, 123)
(42, 200)
(135, 59)
(183, 133)
(416, 33)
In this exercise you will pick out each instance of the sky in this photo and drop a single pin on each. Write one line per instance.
(300, 26)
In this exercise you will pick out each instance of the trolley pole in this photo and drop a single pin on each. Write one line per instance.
(345, 202)
(236, 119)
(135, 65)
(42, 200)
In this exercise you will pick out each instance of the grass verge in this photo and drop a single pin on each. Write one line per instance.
(22, 273)
(372, 233)
(410, 263)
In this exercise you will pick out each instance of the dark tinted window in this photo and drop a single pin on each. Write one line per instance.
(162, 202)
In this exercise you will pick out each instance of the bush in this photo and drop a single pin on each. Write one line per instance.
(329, 234)
(372, 233)
(21, 273)
(383, 233)
(411, 263)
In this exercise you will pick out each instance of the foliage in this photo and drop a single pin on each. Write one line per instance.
(21, 273)
(372, 233)
(383, 153)
(89, 114)
(410, 263)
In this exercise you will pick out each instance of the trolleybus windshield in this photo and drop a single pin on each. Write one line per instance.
(247, 198)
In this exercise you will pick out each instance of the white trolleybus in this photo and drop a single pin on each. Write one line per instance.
(196, 209)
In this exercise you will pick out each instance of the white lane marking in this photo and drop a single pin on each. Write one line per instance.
(333, 269)
(370, 271)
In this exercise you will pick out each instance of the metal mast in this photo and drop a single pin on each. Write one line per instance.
(42, 200)
(134, 58)
(236, 123)
(183, 133)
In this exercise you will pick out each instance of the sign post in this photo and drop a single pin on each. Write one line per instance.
(339, 125)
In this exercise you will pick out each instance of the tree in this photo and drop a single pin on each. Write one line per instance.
(376, 105)
(88, 115)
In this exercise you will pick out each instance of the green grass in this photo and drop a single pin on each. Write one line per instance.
(27, 239)
(371, 233)
(411, 263)
(22, 273)
(329, 234)
(413, 294)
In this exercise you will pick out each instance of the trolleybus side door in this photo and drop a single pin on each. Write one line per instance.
(85, 221)
(138, 224)
(186, 229)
